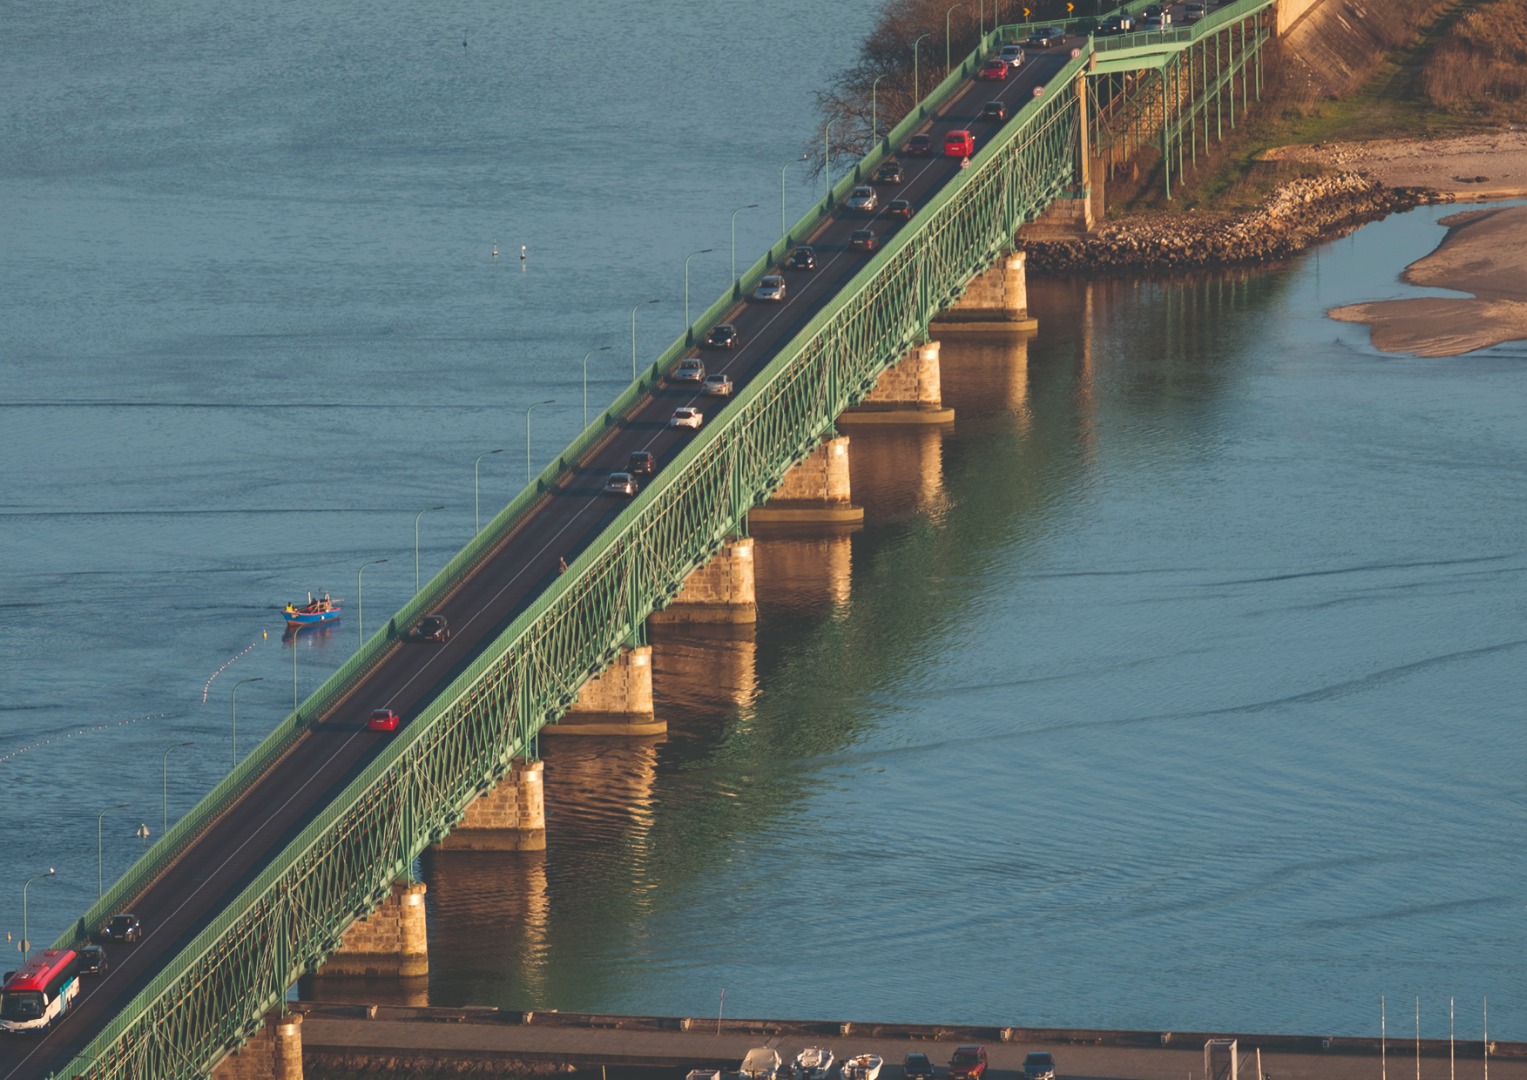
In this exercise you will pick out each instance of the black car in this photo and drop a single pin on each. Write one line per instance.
(994, 110)
(1152, 9)
(429, 628)
(917, 1067)
(899, 208)
(122, 928)
(1116, 24)
(1046, 36)
(92, 960)
(1039, 1066)
(641, 463)
(723, 336)
(889, 173)
(862, 240)
(920, 145)
(802, 258)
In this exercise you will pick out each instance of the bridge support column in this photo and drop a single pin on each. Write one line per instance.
(815, 491)
(511, 817)
(909, 392)
(996, 302)
(275, 1053)
(720, 592)
(618, 701)
(391, 942)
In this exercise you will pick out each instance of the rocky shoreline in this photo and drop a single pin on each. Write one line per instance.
(1298, 214)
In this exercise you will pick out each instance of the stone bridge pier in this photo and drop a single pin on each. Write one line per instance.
(816, 492)
(275, 1052)
(908, 392)
(995, 303)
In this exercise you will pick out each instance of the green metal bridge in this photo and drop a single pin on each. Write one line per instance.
(1118, 93)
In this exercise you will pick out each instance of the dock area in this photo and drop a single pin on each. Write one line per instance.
(490, 1041)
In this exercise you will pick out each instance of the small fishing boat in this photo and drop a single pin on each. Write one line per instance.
(316, 612)
(762, 1063)
(862, 1067)
(813, 1063)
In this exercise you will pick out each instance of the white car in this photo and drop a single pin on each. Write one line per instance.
(1013, 54)
(770, 287)
(687, 416)
(718, 385)
(862, 198)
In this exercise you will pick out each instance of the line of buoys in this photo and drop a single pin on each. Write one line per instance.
(64, 736)
(208, 685)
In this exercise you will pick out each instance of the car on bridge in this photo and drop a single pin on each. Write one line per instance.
(862, 240)
(920, 145)
(717, 385)
(1155, 22)
(690, 369)
(722, 336)
(383, 720)
(686, 416)
(959, 143)
(621, 483)
(429, 628)
(1039, 1065)
(92, 960)
(890, 173)
(862, 198)
(1045, 37)
(994, 69)
(994, 110)
(641, 463)
(802, 258)
(1191, 13)
(900, 209)
(123, 927)
(1116, 24)
(771, 288)
(1012, 53)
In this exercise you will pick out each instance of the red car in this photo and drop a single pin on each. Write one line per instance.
(960, 144)
(920, 145)
(994, 69)
(968, 1062)
(383, 720)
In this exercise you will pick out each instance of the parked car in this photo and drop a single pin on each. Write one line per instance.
(1012, 53)
(771, 287)
(920, 145)
(1045, 37)
(718, 385)
(994, 110)
(429, 628)
(862, 240)
(899, 208)
(1039, 1065)
(621, 483)
(994, 69)
(968, 1062)
(92, 960)
(641, 462)
(689, 370)
(383, 720)
(722, 336)
(802, 258)
(862, 198)
(686, 416)
(889, 173)
(917, 1067)
(959, 143)
(123, 927)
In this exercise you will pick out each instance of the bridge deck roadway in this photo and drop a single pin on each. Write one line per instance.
(233, 851)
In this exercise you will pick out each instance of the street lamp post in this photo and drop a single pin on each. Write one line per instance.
(633, 336)
(691, 255)
(875, 110)
(916, 89)
(360, 599)
(164, 781)
(100, 851)
(586, 356)
(233, 721)
(24, 944)
(548, 401)
(740, 209)
(948, 57)
(827, 157)
(417, 516)
(783, 226)
(476, 513)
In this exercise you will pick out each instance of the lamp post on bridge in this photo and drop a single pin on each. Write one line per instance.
(25, 945)
(827, 158)
(586, 356)
(548, 401)
(948, 56)
(417, 516)
(360, 602)
(691, 255)
(100, 851)
(916, 89)
(233, 722)
(476, 512)
(740, 209)
(783, 226)
(875, 111)
(164, 782)
(633, 335)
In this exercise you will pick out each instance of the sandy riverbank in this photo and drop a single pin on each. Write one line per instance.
(1489, 166)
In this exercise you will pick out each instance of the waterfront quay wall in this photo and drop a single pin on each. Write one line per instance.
(488, 1041)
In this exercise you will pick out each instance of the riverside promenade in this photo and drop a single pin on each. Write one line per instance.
(497, 1042)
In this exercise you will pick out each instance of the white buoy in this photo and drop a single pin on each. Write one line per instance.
(495, 251)
(522, 253)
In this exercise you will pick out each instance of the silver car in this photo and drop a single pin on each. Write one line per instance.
(1013, 54)
(621, 483)
(691, 370)
(862, 198)
(718, 385)
(771, 287)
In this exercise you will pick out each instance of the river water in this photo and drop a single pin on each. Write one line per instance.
(1177, 685)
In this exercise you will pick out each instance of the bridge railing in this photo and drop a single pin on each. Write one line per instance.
(1185, 34)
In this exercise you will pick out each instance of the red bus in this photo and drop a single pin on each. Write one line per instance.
(36, 996)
